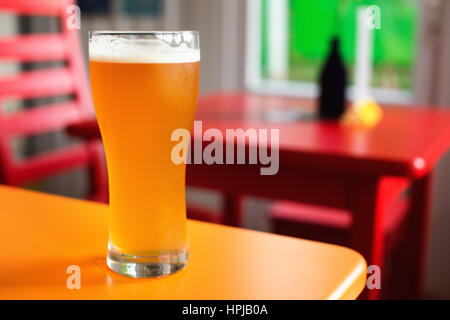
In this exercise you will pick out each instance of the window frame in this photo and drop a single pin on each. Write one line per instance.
(254, 81)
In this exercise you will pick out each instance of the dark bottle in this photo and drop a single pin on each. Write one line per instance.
(333, 82)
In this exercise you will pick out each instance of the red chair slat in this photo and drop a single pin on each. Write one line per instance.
(49, 163)
(40, 83)
(394, 210)
(86, 129)
(311, 214)
(44, 119)
(34, 7)
(32, 48)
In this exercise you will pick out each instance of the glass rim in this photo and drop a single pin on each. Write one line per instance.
(131, 33)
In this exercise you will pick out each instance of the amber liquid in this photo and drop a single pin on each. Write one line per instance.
(138, 106)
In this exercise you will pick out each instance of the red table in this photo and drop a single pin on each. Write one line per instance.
(327, 164)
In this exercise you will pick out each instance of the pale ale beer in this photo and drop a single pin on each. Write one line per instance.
(145, 86)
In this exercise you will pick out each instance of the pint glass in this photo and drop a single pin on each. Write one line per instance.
(145, 86)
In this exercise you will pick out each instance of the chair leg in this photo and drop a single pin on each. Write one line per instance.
(98, 175)
(233, 210)
(366, 235)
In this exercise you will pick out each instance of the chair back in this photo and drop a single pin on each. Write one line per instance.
(68, 79)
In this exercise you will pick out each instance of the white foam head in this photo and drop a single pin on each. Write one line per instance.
(117, 48)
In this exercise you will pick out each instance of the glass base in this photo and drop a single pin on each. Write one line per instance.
(147, 267)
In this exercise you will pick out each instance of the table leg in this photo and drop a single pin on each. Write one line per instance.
(366, 235)
(413, 253)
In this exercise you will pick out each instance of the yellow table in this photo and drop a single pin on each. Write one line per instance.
(42, 235)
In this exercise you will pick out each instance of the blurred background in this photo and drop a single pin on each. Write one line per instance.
(273, 47)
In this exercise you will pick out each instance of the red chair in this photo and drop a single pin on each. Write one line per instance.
(333, 226)
(67, 80)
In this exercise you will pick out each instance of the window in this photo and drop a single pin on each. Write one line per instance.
(288, 41)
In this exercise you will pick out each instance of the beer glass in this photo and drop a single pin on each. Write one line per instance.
(145, 86)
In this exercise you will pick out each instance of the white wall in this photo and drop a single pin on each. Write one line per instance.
(222, 38)
(432, 87)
